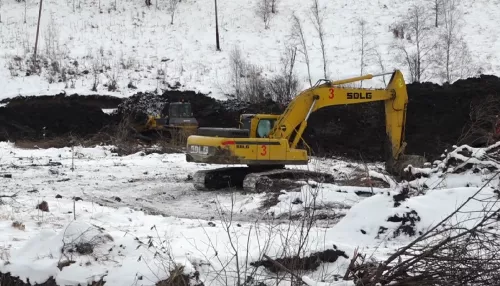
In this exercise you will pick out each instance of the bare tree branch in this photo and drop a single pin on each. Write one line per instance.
(298, 35)
(455, 59)
(417, 50)
(318, 25)
(264, 10)
(172, 7)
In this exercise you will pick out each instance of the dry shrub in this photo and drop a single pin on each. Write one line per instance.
(483, 119)
(19, 225)
(122, 138)
(250, 84)
(176, 278)
(455, 251)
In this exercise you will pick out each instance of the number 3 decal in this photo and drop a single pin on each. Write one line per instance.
(264, 150)
(332, 93)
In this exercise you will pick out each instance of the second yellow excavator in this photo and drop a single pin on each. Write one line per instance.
(266, 143)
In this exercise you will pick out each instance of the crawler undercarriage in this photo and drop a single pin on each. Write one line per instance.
(256, 179)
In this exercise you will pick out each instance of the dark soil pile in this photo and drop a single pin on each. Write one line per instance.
(437, 118)
(208, 111)
(35, 118)
(8, 280)
(439, 115)
(308, 263)
(101, 101)
(354, 131)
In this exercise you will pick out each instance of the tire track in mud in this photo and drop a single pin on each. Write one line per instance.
(181, 200)
(187, 203)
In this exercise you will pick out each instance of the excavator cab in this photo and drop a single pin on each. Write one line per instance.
(258, 125)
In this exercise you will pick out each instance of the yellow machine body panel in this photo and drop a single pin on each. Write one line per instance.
(246, 151)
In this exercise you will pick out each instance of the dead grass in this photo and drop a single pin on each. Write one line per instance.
(176, 278)
(59, 142)
(120, 137)
(361, 178)
(18, 225)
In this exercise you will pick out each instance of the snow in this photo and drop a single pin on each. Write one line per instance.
(138, 45)
(142, 218)
(109, 110)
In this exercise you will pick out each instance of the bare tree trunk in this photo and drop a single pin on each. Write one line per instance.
(290, 78)
(38, 28)
(436, 11)
(318, 24)
(216, 28)
(450, 36)
(418, 27)
(418, 50)
(298, 33)
(264, 10)
(362, 34)
(172, 7)
(380, 64)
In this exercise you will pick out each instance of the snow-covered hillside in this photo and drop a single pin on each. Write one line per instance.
(136, 46)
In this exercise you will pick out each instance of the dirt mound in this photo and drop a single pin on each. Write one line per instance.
(438, 117)
(101, 101)
(442, 116)
(7, 280)
(208, 111)
(354, 131)
(311, 262)
(48, 117)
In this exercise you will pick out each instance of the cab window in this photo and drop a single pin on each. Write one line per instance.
(264, 127)
(180, 110)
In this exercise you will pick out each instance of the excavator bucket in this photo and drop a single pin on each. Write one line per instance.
(395, 114)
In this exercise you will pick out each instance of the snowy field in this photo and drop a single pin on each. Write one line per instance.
(129, 220)
(137, 47)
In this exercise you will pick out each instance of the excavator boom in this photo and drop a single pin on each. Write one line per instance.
(293, 121)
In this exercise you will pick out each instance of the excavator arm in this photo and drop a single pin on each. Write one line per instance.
(292, 123)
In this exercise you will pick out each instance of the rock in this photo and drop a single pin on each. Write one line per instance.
(43, 206)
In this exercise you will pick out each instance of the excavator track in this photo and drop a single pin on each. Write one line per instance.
(255, 179)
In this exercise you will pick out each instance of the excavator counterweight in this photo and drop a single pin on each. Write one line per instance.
(268, 142)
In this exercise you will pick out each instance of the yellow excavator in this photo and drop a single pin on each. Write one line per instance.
(265, 143)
